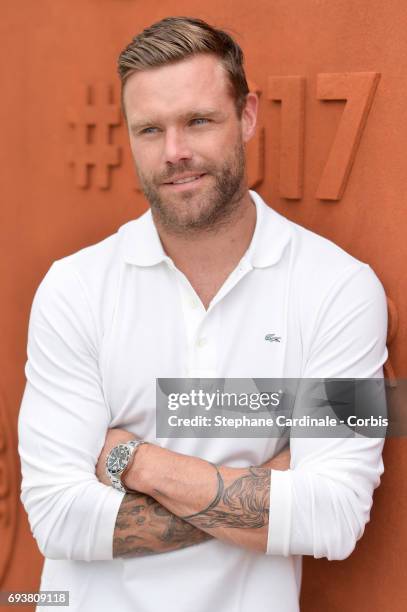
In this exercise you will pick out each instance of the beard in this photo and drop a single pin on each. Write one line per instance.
(206, 208)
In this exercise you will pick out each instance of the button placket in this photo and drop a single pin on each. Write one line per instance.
(202, 326)
(205, 353)
(194, 315)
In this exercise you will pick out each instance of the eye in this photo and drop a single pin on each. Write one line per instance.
(200, 119)
(146, 130)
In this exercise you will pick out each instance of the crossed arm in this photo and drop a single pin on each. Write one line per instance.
(179, 501)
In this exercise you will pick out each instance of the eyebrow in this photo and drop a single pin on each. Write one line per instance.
(135, 126)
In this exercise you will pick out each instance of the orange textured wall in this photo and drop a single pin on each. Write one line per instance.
(329, 154)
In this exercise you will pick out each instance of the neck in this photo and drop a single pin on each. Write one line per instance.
(218, 250)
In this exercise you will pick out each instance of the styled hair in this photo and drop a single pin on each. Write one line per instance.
(175, 38)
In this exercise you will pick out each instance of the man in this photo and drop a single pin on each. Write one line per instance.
(197, 287)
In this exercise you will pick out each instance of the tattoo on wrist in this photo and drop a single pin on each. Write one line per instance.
(242, 504)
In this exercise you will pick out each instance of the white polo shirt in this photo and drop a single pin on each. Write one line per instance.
(110, 319)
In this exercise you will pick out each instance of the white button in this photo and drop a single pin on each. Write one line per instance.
(201, 342)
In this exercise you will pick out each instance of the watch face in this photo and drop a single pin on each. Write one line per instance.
(118, 459)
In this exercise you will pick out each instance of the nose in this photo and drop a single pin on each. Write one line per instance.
(176, 147)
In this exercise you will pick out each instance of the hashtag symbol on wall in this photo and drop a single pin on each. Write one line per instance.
(93, 154)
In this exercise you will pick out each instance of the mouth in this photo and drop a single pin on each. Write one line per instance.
(190, 182)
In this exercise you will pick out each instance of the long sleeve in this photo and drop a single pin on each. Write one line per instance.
(320, 506)
(62, 425)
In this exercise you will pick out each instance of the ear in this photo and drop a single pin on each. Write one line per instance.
(249, 116)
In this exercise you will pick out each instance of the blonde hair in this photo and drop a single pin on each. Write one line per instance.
(175, 38)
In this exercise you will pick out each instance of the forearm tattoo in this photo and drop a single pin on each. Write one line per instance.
(145, 527)
(243, 504)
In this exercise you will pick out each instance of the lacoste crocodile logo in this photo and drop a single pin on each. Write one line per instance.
(272, 338)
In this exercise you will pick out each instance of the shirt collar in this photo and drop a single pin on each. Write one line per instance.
(143, 247)
(271, 235)
(142, 244)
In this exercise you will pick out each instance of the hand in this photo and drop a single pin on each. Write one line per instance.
(113, 438)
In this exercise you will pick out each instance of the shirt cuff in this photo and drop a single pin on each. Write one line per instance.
(106, 524)
(278, 540)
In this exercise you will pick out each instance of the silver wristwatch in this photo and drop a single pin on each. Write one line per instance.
(119, 461)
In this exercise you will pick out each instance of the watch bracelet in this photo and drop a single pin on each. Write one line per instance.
(135, 444)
